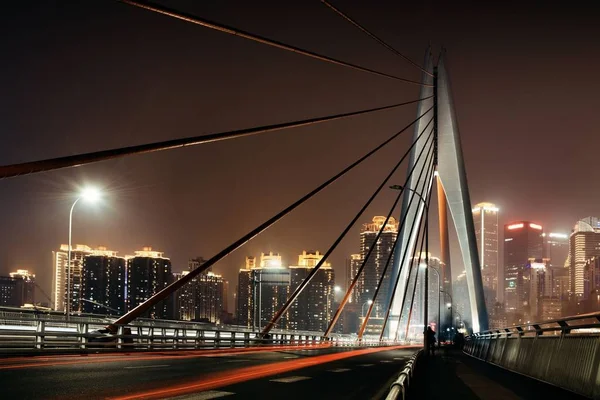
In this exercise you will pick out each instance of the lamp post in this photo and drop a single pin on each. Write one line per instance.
(426, 302)
(90, 194)
(362, 311)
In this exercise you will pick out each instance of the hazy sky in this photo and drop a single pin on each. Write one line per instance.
(85, 76)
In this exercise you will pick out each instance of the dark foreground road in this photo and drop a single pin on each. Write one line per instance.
(332, 373)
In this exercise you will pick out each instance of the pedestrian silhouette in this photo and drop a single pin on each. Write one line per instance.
(431, 340)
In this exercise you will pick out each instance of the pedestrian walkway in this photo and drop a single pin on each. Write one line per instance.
(450, 374)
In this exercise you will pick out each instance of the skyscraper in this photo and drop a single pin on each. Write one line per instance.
(148, 272)
(353, 264)
(103, 283)
(485, 218)
(313, 309)
(523, 242)
(557, 249)
(245, 301)
(61, 278)
(584, 244)
(376, 262)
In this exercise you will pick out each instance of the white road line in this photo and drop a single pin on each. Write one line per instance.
(148, 366)
(386, 361)
(290, 379)
(207, 395)
(339, 370)
(238, 360)
(399, 358)
(291, 357)
(365, 365)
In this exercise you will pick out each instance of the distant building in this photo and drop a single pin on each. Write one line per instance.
(352, 266)
(556, 248)
(61, 276)
(148, 272)
(245, 301)
(584, 244)
(313, 309)
(485, 217)
(103, 283)
(7, 291)
(201, 299)
(24, 287)
(375, 264)
(523, 241)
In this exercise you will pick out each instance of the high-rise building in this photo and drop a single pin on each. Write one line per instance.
(263, 289)
(313, 309)
(584, 243)
(148, 272)
(61, 277)
(103, 283)
(436, 297)
(485, 218)
(352, 266)
(24, 287)
(245, 301)
(7, 291)
(556, 248)
(376, 262)
(523, 241)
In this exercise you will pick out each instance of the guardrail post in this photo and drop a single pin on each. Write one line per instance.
(120, 333)
(175, 337)
(151, 338)
(83, 330)
(217, 341)
(39, 334)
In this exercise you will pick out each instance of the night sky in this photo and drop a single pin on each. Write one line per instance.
(93, 75)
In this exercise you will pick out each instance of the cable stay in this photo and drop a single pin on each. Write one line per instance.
(404, 253)
(383, 272)
(362, 266)
(77, 160)
(316, 268)
(149, 6)
(374, 37)
(164, 293)
(411, 269)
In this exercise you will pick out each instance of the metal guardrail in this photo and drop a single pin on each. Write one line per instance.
(564, 352)
(400, 385)
(83, 334)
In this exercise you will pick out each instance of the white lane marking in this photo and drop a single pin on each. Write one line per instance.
(238, 360)
(399, 358)
(365, 365)
(290, 379)
(148, 366)
(386, 361)
(207, 395)
(339, 370)
(291, 357)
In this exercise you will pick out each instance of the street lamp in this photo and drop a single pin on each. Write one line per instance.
(337, 289)
(91, 195)
(426, 303)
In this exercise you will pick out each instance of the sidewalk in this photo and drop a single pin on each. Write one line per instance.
(450, 374)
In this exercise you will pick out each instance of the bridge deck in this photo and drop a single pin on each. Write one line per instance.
(451, 374)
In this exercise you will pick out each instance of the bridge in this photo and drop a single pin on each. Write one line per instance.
(129, 356)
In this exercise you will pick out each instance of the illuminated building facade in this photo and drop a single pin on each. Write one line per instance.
(245, 301)
(60, 278)
(313, 309)
(584, 243)
(148, 272)
(352, 268)
(556, 249)
(103, 283)
(17, 289)
(376, 262)
(523, 240)
(485, 219)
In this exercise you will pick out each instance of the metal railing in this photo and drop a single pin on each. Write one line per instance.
(400, 385)
(564, 352)
(52, 333)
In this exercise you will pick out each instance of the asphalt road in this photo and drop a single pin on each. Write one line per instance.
(333, 373)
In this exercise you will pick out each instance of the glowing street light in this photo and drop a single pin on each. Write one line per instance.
(368, 302)
(90, 195)
(337, 289)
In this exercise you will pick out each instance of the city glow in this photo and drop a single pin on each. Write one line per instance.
(535, 226)
(90, 194)
(559, 235)
(515, 226)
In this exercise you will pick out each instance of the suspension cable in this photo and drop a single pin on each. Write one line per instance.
(316, 268)
(378, 287)
(162, 294)
(403, 259)
(146, 5)
(8, 171)
(374, 37)
(362, 266)
(424, 234)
